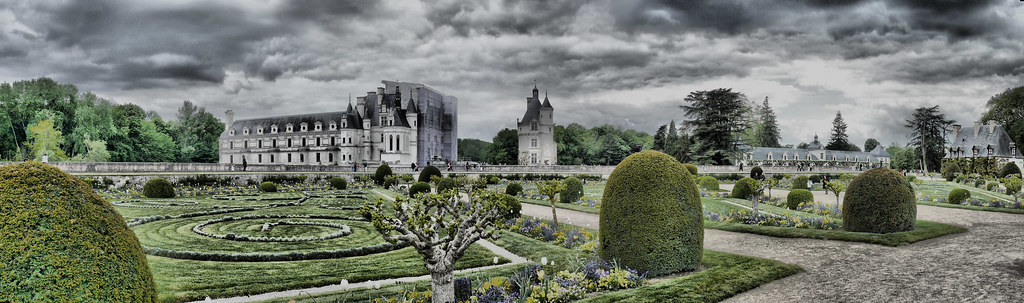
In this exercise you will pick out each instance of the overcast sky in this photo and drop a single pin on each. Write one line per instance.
(626, 63)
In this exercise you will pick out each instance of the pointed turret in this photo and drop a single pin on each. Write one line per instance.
(547, 104)
(536, 92)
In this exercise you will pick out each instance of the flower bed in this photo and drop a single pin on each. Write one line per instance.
(575, 238)
(769, 219)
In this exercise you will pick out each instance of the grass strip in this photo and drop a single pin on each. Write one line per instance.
(924, 230)
(972, 207)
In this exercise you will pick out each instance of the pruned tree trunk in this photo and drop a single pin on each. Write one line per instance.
(754, 204)
(554, 216)
(442, 286)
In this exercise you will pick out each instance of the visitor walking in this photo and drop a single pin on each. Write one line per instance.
(244, 164)
(355, 166)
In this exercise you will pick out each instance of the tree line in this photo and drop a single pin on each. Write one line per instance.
(42, 117)
(577, 145)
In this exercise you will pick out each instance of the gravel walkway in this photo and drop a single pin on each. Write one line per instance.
(985, 264)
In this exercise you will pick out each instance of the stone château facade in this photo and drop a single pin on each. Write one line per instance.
(984, 141)
(818, 156)
(537, 132)
(400, 123)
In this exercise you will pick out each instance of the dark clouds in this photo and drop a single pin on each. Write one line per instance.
(504, 17)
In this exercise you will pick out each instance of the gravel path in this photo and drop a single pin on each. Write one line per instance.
(985, 264)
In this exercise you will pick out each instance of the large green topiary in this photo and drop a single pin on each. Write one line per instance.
(339, 183)
(447, 183)
(60, 242)
(268, 187)
(757, 173)
(419, 187)
(950, 170)
(958, 195)
(879, 200)
(1009, 169)
(798, 196)
(382, 173)
(428, 171)
(691, 168)
(709, 183)
(800, 182)
(573, 190)
(158, 188)
(513, 189)
(744, 188)
(651, 215)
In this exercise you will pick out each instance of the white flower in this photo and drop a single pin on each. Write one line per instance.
(376, 285)
(544, 261)
(344, 282)
(495, 260)
(208, 299)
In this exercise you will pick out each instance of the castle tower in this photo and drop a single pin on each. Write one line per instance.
(537, 132)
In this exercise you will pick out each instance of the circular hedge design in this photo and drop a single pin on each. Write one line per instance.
(63, 243)
(340, 230)
(879, 200)
(797, 197)
(158, 188)
(958, 195)
(744, 188)
(651, 215)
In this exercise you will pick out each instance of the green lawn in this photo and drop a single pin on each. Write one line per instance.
(941, 189)
(924, 230)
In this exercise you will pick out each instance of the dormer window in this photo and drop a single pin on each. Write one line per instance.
(334, 126)
(259, 130)
(344, 124)
(975, 150)
(303, 126)
(245, 131)
(1013, 149)
(273, 129)
(318, 126)
(991, 151)
(231, 132)
(289, 128)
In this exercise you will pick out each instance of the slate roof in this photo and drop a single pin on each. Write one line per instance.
(761, 153)
(532, 111)
(351, 118)
(989, 135)
(815, 145)
(879, 152)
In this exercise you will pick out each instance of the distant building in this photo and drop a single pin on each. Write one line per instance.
(983, 140)
(817, 155)
(537, 132)
(399, 123)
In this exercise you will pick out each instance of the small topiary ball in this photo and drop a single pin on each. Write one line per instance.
(1009, 169)
(958, 195)
(691, 168)
(419, 187)
(573, 190)
(382, 173)
(513, 189)
(756, 172)
(447, 183)
(709, 183)
(428, 171)
(797, 197)
(338, 183)
(800, 182)
(950, 170)
(744, 188)
(158, 188)
(60, 242)
(268, 187)
(651, 215)
(879, 200)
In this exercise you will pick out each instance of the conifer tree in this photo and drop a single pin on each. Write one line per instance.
(839, 140)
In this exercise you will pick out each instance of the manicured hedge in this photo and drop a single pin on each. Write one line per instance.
(958, 195)
(651, 215)
(447, 183)
(1009, 169)
(382, 173)
(691, 168)
(339, 183)
(513, 189)
(756, 172)
(275, 257)
(427, 172)
(800, 182)
(950, 170)
(798, 196)
(60, 242)
(744, 188)
(268, 187)
(573, 190)
(158, 188)
(419, 187)
(879, 200)
(709, 183)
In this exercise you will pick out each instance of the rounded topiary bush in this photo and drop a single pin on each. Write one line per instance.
(1009, 169)
(419, 187)
(158, 188)
(950, 170)
(651, 215)
(797, 197)
(911, 178)
(879, 200)
(756, 172)
(991, 185)
(447, 183)
(268, 187)
(382, 173)
(744, 188)
(800, 182)
(63, 243)
(709, 183)
(958, 195)
(339, 183)
(573, 190)
(691, 168)
(428, 171)
(513, 189)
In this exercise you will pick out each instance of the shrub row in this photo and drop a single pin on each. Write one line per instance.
(273, 257)
(204, 180)
(154, 204)
(542, 177)
(285, 179)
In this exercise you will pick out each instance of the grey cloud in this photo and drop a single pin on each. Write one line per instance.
(324, 11)
(510, 17)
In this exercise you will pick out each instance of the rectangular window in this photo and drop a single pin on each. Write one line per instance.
(303, 142)
(289, 158)
(275, 143)
(289, 145)
(318, 141)
(332, 141)
(231, 145)
(231, 159)
(261, 143)
(246, 143)
(533, 142)
(317, 157)
(259, 158)
(271, 158)
(302, 158)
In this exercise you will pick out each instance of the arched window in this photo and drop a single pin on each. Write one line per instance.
(259, 130)
(303, 126)
(273, 129)
(391, 143)
(318, 126)
(975, 150)
(289, 128)
(245, 131)
(231, 132)
(334, 126)
(991, 151)
(398, 142)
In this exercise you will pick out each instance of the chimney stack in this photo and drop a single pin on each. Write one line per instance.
(977, 128)
(956, 130)
(991, 126)
(230, 116)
